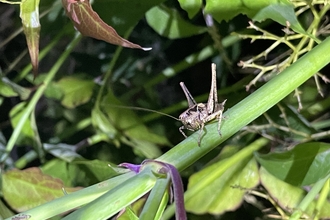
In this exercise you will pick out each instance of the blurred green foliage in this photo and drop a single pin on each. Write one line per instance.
(74, 121)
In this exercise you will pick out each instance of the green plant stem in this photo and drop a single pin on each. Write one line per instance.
(121, 196)
(187, 152)
(25, 159)
(308, 199)
(33, 102)
(155, 198)
(243, 154)
(75, 199)
(240, 115)
(322, 197)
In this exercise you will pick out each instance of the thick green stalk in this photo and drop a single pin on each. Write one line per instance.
(243, 113)
(75, 199)
(117, 198)
(155, 199)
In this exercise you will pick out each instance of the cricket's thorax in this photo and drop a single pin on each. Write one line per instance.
(194, 116)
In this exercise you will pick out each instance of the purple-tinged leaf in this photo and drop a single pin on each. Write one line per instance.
(133, 167)
(177, 191)
(89, 23)
(176, 183)
(177, 188)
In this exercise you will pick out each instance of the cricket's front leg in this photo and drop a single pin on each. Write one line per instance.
(200, 134)
(181, 131)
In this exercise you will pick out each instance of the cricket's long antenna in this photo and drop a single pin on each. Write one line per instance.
(143, 109)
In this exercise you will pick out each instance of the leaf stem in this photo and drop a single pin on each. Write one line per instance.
(309, 198)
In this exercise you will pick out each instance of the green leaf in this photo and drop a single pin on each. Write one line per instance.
(80, 171)
(6, 90)
(123, 14)
(89, 23)
(168, 23)
(25, 189)
(27, 135)
(191, 6)
(101, 121)
(76, 91)
(9, 89)
(288, 196)
(226, 189)
(64, 151)
(281, 13)
(97, 170)
(31, 27)
(226, 10)
(129, 127)
(303, 165)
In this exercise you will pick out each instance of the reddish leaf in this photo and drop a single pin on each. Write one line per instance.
(31, 27)
(25, 189)
(89, 23)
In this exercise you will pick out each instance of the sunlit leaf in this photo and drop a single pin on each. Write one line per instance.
(191, 6)
(305, 164)
(6, 90)
(226, 10)
(31, 27)
(101, 122)
(288, 197)
(281, 13)
(25, 189)
(168, 23)
(226, 189)
(76, 91)
(89, 23)
(11, 89)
